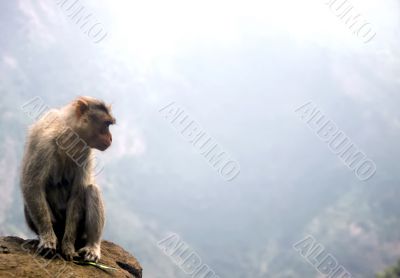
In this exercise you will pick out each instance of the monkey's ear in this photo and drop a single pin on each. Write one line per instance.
(81, 107)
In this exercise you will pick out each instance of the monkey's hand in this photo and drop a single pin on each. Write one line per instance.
(89, 253)
(68, 250)
(47, 243)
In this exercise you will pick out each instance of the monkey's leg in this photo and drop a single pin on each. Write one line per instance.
(94, 223)
(46, 252)
(39, 216)
(29, 221)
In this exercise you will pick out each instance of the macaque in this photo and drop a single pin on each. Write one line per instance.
(62, 203)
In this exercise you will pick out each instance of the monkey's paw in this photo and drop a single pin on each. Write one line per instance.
(47, 244)
(68, 250)
(91, 254)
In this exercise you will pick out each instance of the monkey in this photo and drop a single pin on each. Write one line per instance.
(63, 204)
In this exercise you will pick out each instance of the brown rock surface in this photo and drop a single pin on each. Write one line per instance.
(18, 258)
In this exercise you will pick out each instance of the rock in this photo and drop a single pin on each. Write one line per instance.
(18, 258)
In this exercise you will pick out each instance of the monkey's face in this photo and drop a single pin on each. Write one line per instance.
(100, 137)
(95, 128)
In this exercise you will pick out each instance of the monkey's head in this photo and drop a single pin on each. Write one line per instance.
(93, 121)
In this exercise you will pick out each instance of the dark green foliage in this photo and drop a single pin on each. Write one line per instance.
(391, 272)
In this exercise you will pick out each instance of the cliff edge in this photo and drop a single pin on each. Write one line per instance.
(18, 258)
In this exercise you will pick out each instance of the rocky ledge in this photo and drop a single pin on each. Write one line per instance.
(18, 258)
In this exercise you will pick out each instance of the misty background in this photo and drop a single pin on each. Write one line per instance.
(240, 69)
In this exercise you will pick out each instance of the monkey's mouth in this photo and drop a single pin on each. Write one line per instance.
(103, 147)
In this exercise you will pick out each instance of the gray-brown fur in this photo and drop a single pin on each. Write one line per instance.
(63, 204)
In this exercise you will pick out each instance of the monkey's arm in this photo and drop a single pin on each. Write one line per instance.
(75, 212)
(94, 223)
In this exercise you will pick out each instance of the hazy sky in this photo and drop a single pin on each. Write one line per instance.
(239, 69)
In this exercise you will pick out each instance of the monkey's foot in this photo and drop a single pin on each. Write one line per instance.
(89, 253)
(47, 245)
